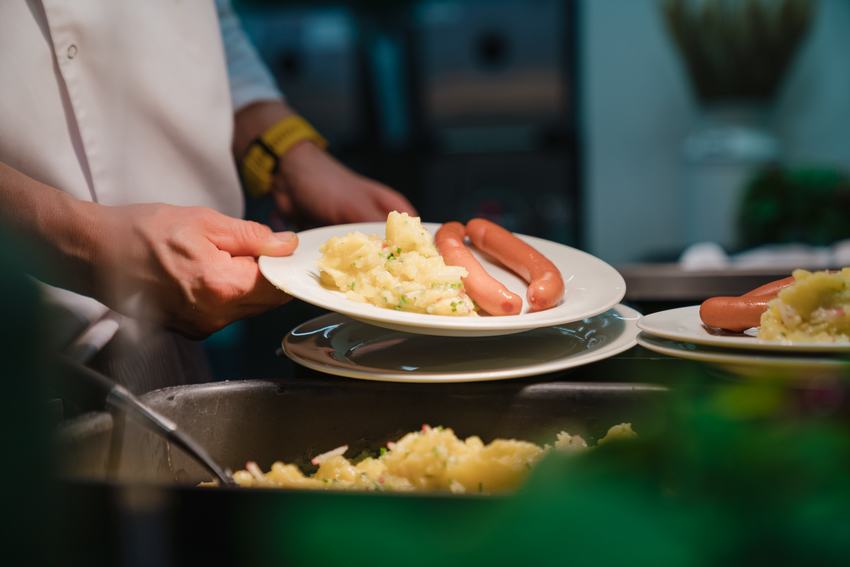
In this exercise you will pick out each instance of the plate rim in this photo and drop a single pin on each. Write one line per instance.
(738, 356)
(653, 324)
(450, 326)
(624, 341)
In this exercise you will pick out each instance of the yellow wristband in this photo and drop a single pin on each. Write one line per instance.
(263, 156)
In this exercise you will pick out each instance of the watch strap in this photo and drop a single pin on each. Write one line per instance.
(263, 155)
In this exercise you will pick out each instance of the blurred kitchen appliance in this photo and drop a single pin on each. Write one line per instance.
(495, 110)
(492, 64)
(315, 57)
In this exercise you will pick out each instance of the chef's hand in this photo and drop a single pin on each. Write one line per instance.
(311, 185)
(190, 269)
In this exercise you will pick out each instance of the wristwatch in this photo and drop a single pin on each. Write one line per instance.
(264, 153)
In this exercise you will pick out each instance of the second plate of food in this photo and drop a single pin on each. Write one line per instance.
(592, 287)
(684, 324)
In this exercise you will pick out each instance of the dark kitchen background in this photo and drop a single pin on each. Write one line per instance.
(466, 107)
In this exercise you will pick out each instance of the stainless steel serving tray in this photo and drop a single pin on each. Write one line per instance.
(294, 420)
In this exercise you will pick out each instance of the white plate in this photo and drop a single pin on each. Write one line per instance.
(684, 324)
(806, 366)
(592, 287)
(336, 344)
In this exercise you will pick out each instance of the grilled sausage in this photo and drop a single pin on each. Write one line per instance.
(741, 313)
(545, 285)
(487, 292)
(734, 313)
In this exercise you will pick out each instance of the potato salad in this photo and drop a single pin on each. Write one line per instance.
(404, 271)
(815, 308)
(432, 459)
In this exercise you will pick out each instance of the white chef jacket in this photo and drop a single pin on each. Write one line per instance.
(126, 101)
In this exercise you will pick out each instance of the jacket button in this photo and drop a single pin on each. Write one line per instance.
(72, 51)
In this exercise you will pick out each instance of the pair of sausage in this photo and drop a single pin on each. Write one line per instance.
(546, 286)
(741, 313)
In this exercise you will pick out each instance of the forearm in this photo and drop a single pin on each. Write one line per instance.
(254, 119)
(60, 228)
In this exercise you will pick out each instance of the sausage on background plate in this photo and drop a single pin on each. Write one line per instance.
(735, 314)
(487, 292)
(741, 313)
(545, 284)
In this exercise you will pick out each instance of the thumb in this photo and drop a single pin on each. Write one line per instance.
(248, 238)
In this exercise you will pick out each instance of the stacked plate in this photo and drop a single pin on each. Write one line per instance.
(364, 341)
(681, 333)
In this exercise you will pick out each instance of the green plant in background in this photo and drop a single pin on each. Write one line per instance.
(737, 49)
(806, 205)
